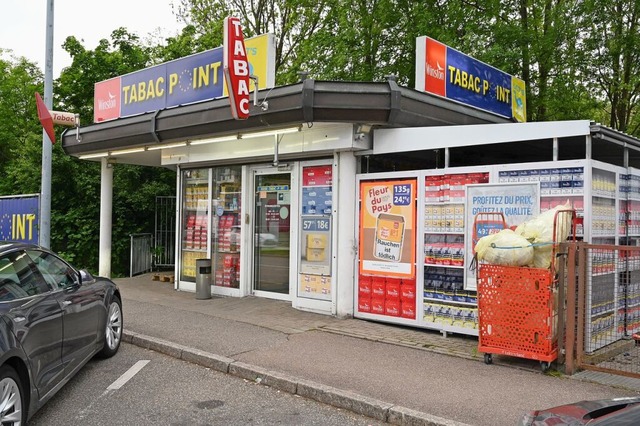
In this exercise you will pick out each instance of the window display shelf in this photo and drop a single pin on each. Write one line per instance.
(449, 302)
(442, 265)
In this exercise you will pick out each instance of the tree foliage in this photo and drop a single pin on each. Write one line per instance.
(580, 59)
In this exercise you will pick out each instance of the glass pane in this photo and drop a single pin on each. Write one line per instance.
(195, 219)
(272, 232)
(226, 226)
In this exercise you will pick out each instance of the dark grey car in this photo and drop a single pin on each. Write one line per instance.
(53, 319)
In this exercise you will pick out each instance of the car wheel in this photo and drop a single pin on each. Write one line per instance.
(12, 409)
(113, 329)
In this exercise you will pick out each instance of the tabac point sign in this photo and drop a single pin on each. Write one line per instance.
(236, 68)
(446, 72)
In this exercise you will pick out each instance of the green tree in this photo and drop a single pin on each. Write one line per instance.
(292, 22)
(611, 31)
(20, 130)
(75, 212)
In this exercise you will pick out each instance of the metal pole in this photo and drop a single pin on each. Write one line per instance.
(45, 197)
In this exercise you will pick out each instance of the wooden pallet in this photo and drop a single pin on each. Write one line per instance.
(166, 278)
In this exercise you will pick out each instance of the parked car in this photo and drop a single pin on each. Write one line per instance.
(54, 319)
(605, 412)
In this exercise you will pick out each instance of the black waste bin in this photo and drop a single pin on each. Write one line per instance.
(203, 278)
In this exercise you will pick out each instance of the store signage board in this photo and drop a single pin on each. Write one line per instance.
(194, 78)
(388, 228)
(19, 218)
(446, 72)
(316, 256)
(518, 202)
(236, 68)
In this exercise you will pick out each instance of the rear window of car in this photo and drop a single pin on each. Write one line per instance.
(18, 279)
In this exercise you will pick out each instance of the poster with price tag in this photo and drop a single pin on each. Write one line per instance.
(316, 247)
(387, 228)
(314, 262)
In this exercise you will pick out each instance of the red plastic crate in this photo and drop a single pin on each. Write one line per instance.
(517, 312)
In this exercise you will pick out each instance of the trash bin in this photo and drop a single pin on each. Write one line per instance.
(203, 278)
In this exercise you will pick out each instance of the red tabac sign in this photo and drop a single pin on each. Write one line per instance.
(236, 68)
(45, 118)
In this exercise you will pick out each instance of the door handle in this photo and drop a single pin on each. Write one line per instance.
(66, 303)
(19, 319)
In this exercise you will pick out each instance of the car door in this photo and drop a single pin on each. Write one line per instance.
(83, 308)
(35, 318)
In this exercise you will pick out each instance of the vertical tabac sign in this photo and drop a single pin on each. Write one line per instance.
(236, 68)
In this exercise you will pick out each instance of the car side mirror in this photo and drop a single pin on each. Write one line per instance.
(86, 277)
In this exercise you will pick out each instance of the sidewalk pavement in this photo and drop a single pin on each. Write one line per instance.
(392, 373)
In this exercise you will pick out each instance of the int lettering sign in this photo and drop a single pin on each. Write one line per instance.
(236, 69)
(194, 78)
(446, 72)
(19, 218)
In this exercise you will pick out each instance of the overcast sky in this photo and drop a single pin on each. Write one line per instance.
(23, 25)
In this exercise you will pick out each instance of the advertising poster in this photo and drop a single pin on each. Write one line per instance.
(517, 202)
(315, 242)
(387, 228)
(19, 218)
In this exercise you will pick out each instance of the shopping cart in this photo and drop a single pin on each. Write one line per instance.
(518, 306)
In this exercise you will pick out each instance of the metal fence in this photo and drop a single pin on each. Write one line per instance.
(165, 232)
(605, 299)
(141, 254)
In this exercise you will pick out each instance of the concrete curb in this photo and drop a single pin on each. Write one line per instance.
(339, 398)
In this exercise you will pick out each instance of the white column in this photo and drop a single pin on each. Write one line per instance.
(345, 243)
(106, 202)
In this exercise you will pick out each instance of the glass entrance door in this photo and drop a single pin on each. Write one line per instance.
(272, 232)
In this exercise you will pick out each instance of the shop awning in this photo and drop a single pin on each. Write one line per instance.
(381, 105)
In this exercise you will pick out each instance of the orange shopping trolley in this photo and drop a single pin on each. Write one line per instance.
(517, 307)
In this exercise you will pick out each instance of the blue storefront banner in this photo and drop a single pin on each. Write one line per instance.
(475, 83)
(182, 81)
(444, 71)
(19, 218)
(188, 80)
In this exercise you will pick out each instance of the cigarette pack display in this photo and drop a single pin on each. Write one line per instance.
(378, 287)
(364, 304)
(392, 289)
(377, 305)
(408, 309)
(392, 307)
(316, 241)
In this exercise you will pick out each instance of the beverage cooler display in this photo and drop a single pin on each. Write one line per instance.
(210, 220)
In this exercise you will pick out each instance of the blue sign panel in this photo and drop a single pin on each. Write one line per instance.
(19, 219)
(179, 82)
(476, 83)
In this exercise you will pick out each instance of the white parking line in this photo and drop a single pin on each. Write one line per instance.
(128, 374)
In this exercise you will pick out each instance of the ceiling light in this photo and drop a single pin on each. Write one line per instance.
(174, 145)
(127, 151)
(96, 155)
(214, 140)
(271, 132)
